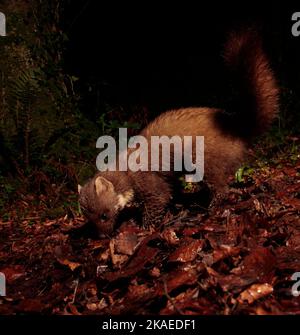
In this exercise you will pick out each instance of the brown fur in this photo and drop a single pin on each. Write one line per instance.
(226, 137)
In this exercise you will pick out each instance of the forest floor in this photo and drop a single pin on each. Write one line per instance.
(237, 257)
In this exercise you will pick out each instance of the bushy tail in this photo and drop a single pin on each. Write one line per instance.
(255, 101)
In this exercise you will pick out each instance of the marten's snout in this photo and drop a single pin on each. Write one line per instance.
(104, 227)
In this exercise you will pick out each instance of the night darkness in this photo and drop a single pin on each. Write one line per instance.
(170, 56)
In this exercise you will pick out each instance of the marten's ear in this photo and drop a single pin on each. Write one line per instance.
(79, 188)
(103, 185)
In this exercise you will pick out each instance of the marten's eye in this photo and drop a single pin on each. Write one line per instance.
(103, 217)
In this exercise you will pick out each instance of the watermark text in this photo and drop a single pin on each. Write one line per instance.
(296, 25)
(296, 286)
(2, 285)
(2, 24)
(159, 153)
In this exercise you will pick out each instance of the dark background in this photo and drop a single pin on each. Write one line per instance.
(169, 55)
(95, 66)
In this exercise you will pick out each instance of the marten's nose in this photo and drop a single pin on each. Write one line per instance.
(104, 228)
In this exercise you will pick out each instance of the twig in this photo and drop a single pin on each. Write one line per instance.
(178, 310)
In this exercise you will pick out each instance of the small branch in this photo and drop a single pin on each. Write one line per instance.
(178, 310)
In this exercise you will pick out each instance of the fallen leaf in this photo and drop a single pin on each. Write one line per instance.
(125, 243)
(13, 272)
(72, 265)
(255, 292)
(187, 252)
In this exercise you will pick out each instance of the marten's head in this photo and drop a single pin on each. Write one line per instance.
(101, 202)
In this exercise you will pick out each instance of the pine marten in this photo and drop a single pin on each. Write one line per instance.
(227, 134)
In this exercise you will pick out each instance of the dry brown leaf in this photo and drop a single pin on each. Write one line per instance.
(72, 265)
(255, 292)
(187, 252)
(125, 243)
